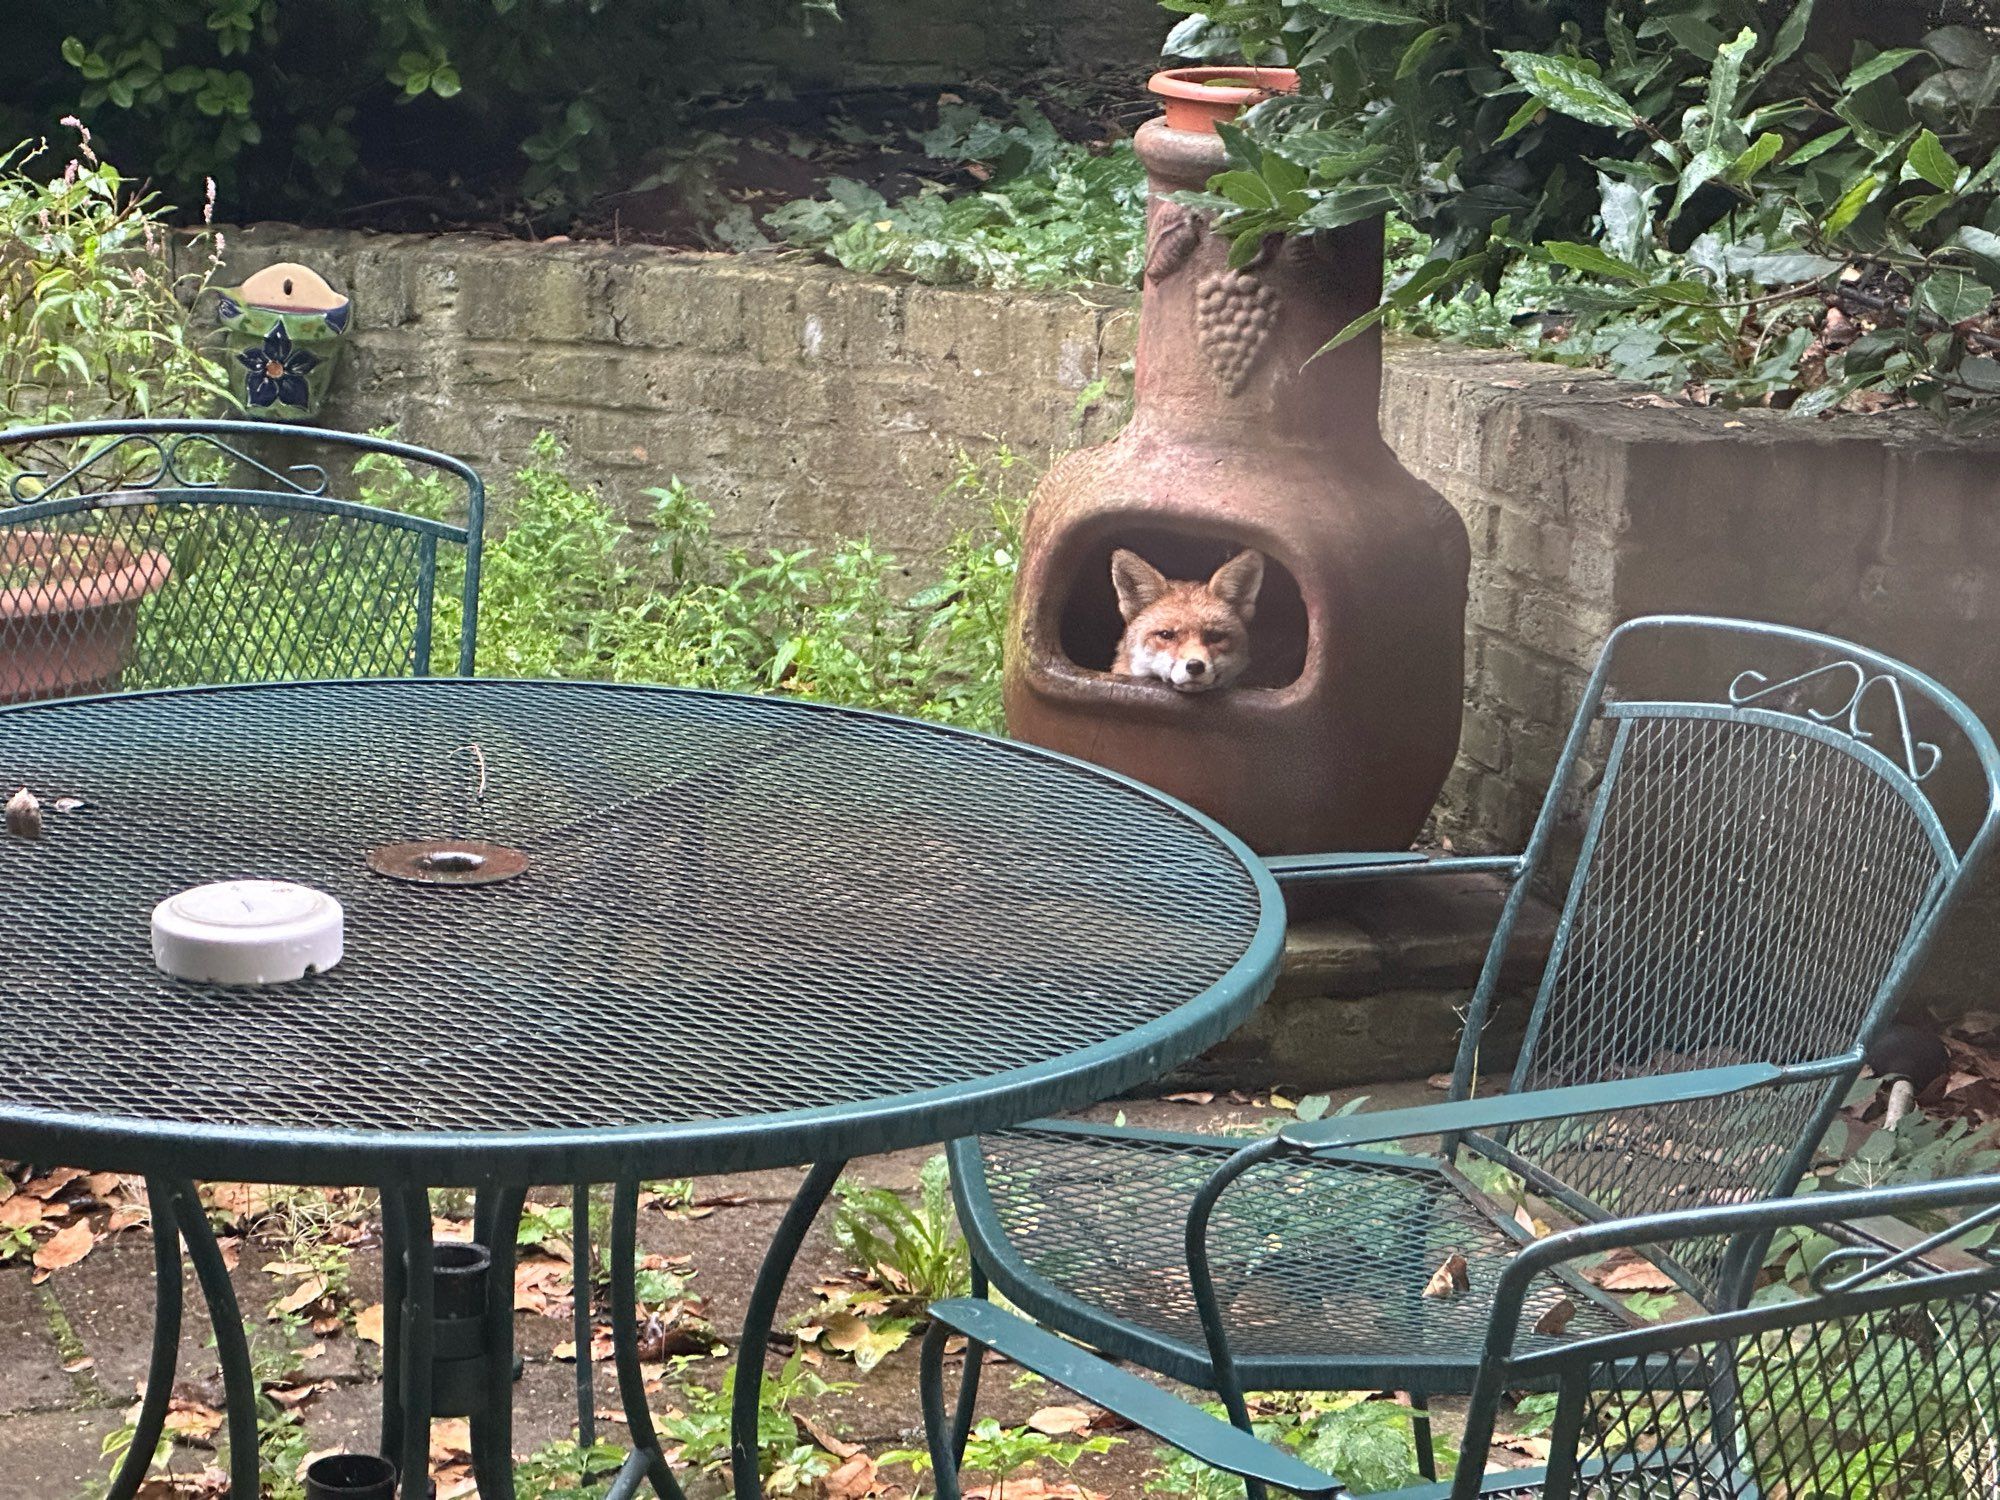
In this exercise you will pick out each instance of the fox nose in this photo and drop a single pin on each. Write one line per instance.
(1196, 666)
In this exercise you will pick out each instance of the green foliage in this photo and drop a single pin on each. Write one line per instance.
(1004, 1451)
(568, 590)
(1370, 1444)
(1051, 214)
(1703, 180)
(789, 1462)
(286, 101)
(564, 1471)
(92, 321)
(913, 1249)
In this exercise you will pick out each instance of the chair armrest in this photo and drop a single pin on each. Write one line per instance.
(1542, 1104)
(1166, 1416)
(1319, 869)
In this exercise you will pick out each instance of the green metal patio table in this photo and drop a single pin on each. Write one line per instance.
(751, 933)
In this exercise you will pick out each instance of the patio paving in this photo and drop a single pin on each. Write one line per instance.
(77, 1342)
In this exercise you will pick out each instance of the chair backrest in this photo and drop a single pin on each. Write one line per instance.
(1879, 1378)
(174, 553)
(1764, 857)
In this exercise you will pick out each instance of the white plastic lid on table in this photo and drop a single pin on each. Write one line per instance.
(248, 932)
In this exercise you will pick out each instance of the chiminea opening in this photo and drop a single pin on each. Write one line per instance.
(1091, 624)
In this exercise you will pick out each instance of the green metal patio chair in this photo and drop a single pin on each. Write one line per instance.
(174, 553)
(1763, 862)
(1881, 1378)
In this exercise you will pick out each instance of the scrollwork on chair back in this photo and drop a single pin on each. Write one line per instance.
(1918, 758)
(175, 460)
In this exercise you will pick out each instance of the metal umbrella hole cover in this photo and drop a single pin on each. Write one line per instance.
(447, 862)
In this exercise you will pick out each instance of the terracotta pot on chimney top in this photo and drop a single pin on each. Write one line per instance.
(1343, 730)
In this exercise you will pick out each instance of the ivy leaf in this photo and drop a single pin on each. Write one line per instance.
(1792, 35)
(1593, 261)
(1369, 12)
(1419, 48)
(1725, 81)
(1881, 65)
(1758, 155)
(1851, 203)
(1953, 296)
(1930, 161)
(1819, 145)
(1980, 373)
(1566, 86)
(1709, 163)
(1622, 207)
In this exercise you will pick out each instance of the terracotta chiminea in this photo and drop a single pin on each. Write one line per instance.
(1344, 727)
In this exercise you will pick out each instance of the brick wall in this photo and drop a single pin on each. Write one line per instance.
(802, 402)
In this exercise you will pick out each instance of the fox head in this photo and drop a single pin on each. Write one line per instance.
(1195, 637)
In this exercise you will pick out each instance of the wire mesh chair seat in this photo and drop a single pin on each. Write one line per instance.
(1315, 1254)
(1879, 1376)
(174, 553)
(1763, 851)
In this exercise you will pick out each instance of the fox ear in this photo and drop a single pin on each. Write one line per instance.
(1140, 585)
(1236, 582)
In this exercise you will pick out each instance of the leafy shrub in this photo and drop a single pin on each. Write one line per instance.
(1052, 213)
(1733, 197)
(93, 319)
(569, 590)
(283, 103)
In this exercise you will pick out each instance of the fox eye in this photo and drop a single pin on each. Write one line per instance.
(1166, 637)
(1215, 637)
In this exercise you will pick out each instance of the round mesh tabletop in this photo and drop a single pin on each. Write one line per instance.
(752, 932)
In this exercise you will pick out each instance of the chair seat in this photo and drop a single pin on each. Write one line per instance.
(1320, 1264)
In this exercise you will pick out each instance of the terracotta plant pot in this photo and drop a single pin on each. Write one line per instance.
(69, 606)
(1344, 727)
(1198, 99)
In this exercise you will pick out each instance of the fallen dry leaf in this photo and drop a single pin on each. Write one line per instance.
(1556, 1319)
(368, 1324)
(838, 1447)
(451, 1440)
(303, 1295)
(48, 1185)
(192, 1421)
(853, 1480)
(65, 1248)
(1060, 1421)
(20, 1212)
(1449, 1279)
(1625, 1271)
(1201, 1096)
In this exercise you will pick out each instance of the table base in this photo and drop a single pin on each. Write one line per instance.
(411, 1389)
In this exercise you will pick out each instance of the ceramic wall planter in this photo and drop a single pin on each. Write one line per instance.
(1347, 723)
(69, 607)
(284, 328)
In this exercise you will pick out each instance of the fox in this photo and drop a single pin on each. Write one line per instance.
(1195, 637)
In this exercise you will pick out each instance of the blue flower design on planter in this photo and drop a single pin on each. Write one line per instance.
(277, 371)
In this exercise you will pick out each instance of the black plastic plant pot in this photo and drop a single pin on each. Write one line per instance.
(351, 1476)
(458, 1366)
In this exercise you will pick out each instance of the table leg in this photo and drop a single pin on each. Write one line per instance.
(395, 1281)
(645, 1461)
(232, 1347)
(757, 1324)
(496, 1224)
(414, 1457)
(580, 1315)
(151, 1423)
